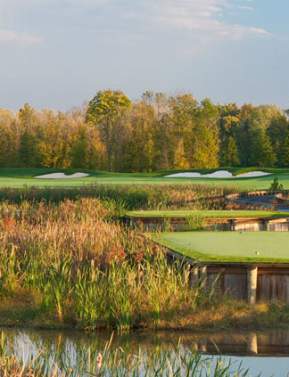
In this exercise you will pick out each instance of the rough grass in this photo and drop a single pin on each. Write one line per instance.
(125, 197)
(70, 265)
(267, 247)
(206, 214)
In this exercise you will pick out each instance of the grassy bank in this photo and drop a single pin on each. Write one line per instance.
(23, 309)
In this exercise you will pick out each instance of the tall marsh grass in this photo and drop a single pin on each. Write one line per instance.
(127, 197)
(79, 268)
(111, 362)
(132, 365)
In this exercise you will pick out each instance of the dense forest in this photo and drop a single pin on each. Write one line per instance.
(157, 132)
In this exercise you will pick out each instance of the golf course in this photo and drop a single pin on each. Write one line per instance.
(225, 247)
(144, 188)
(19, 177)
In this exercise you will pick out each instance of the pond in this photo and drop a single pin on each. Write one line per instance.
(263, 353)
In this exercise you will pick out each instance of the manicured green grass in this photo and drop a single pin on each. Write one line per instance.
(229, 246)
(15, 177)
(206, 214)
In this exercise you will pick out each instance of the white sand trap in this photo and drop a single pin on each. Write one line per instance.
(185, 175)
(219, 174)
(216, 174)
(62, 176)
(253, 174)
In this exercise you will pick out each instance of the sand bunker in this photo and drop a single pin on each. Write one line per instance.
(185, 175)
(62, 176)
(219, 174)
(253, 174)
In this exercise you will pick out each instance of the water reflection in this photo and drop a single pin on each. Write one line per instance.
(263, 352)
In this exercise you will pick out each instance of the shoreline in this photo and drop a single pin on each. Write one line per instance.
(230, 315)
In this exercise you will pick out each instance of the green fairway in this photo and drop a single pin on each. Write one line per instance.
(229, 246)
(26, 177)
(206, 214)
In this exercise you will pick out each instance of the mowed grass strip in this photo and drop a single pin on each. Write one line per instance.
(251, 247)
(19, 177)
(206, 214)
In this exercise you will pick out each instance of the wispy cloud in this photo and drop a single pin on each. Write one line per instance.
(201, 17)
(11, 36)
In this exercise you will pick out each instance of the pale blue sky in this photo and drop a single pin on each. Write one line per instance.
(58, 53)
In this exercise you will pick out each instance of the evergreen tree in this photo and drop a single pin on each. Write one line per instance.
(284, 152)
(232, 153)
(79, 150)
(28, 150)
(261, 153)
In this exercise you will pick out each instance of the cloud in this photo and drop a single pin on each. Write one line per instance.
(11, 36)
(200, 17)
(203, 20)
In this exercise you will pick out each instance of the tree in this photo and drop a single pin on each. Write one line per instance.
(9, 139)
(278, 131)
(28, 150)
(261, 153)
(138, 153)
(255, 145)
(181, 121)
(204, 151)
(54, 145)
(284, 152)
(232, 156)
(229, 122)
(157, 132)
(180, 161)
(79, 149)
(108, 112)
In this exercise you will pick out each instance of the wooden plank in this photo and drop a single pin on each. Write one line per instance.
(252, 278)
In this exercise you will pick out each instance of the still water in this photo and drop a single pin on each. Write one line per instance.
(263, 353)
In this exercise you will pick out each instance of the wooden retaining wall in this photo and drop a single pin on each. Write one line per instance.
(219, 224)
(275, 343)
(254, 283)
(247, 343)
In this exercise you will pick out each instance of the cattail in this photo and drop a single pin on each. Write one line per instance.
(99, 361)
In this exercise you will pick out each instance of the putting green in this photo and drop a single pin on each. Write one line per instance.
(15, 177)
(207, 214)
(229, 246)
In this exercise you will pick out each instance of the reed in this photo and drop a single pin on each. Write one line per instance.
(127, 197)
(117, 362)
(79, 268)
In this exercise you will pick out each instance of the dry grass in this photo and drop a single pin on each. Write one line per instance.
(70, 265)
(77, 267)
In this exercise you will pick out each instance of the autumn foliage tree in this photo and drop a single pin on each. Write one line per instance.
(154, 133)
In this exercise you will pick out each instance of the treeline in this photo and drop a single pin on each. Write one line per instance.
(157, 132)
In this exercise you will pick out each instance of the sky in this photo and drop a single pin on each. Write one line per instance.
(59, 53)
